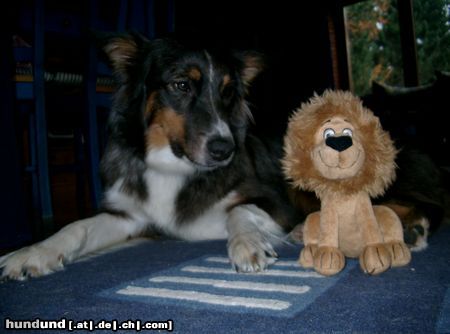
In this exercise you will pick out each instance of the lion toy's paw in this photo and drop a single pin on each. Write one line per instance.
(375, 259)
(306, 258)
(400, 253)
(328, 260)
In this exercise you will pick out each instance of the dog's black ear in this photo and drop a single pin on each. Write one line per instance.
(124, 51)
(252, 64)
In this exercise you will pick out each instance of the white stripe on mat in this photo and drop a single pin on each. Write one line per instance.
(208, 298)
(218, 259)
(241, 285)
(270, 272)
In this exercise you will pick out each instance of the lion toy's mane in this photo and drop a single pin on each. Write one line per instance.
(378, 170)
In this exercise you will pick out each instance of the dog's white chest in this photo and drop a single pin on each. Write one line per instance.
(165, 178)
(163, 189)
(161, 209)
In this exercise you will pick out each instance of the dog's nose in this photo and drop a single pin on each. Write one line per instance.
(220, 148)
(340, 143)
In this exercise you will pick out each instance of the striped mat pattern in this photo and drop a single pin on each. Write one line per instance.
(210, 283)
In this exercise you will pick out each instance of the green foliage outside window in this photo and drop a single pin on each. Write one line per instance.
(432, 26)
(374, 41)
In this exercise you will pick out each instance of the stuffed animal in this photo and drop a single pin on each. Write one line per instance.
(338, 149)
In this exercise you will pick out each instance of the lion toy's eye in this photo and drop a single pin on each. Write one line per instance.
(328, 133)
(347, 132)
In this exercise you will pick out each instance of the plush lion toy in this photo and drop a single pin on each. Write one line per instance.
(337, 148)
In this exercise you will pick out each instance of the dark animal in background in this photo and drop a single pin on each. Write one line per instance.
(415, 117)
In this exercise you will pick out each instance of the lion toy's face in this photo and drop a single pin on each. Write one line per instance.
(338, 153)
(334, 144)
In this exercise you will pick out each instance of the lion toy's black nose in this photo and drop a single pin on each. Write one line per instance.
(340, 143)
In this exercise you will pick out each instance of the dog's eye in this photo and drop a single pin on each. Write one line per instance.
(328, 133)
(182, 86)
(347, 132)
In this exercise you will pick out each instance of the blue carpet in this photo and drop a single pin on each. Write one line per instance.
(209, 284)
(192, 285)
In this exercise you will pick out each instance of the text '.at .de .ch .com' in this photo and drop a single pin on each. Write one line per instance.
(90, 325)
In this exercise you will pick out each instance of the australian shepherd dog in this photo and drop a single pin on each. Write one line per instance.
(179, 160)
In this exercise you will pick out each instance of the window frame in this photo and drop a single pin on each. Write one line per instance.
(339, 41)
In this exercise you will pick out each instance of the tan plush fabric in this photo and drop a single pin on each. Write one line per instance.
(338, 149)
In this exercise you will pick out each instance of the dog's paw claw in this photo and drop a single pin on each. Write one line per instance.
(32, 261)
(250, 254)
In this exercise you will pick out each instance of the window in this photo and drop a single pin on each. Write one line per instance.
(432, 28)
(373, 44)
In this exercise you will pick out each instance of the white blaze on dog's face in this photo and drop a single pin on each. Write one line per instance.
(193, 100)
(338, 153)
(198, 113)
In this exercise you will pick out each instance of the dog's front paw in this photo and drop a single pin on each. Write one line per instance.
(328, 260)
(250, 253)
(375, 259)
(32, 261)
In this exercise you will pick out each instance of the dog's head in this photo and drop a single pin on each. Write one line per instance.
(180, 103)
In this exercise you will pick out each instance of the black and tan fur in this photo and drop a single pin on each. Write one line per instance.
(179, 160)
